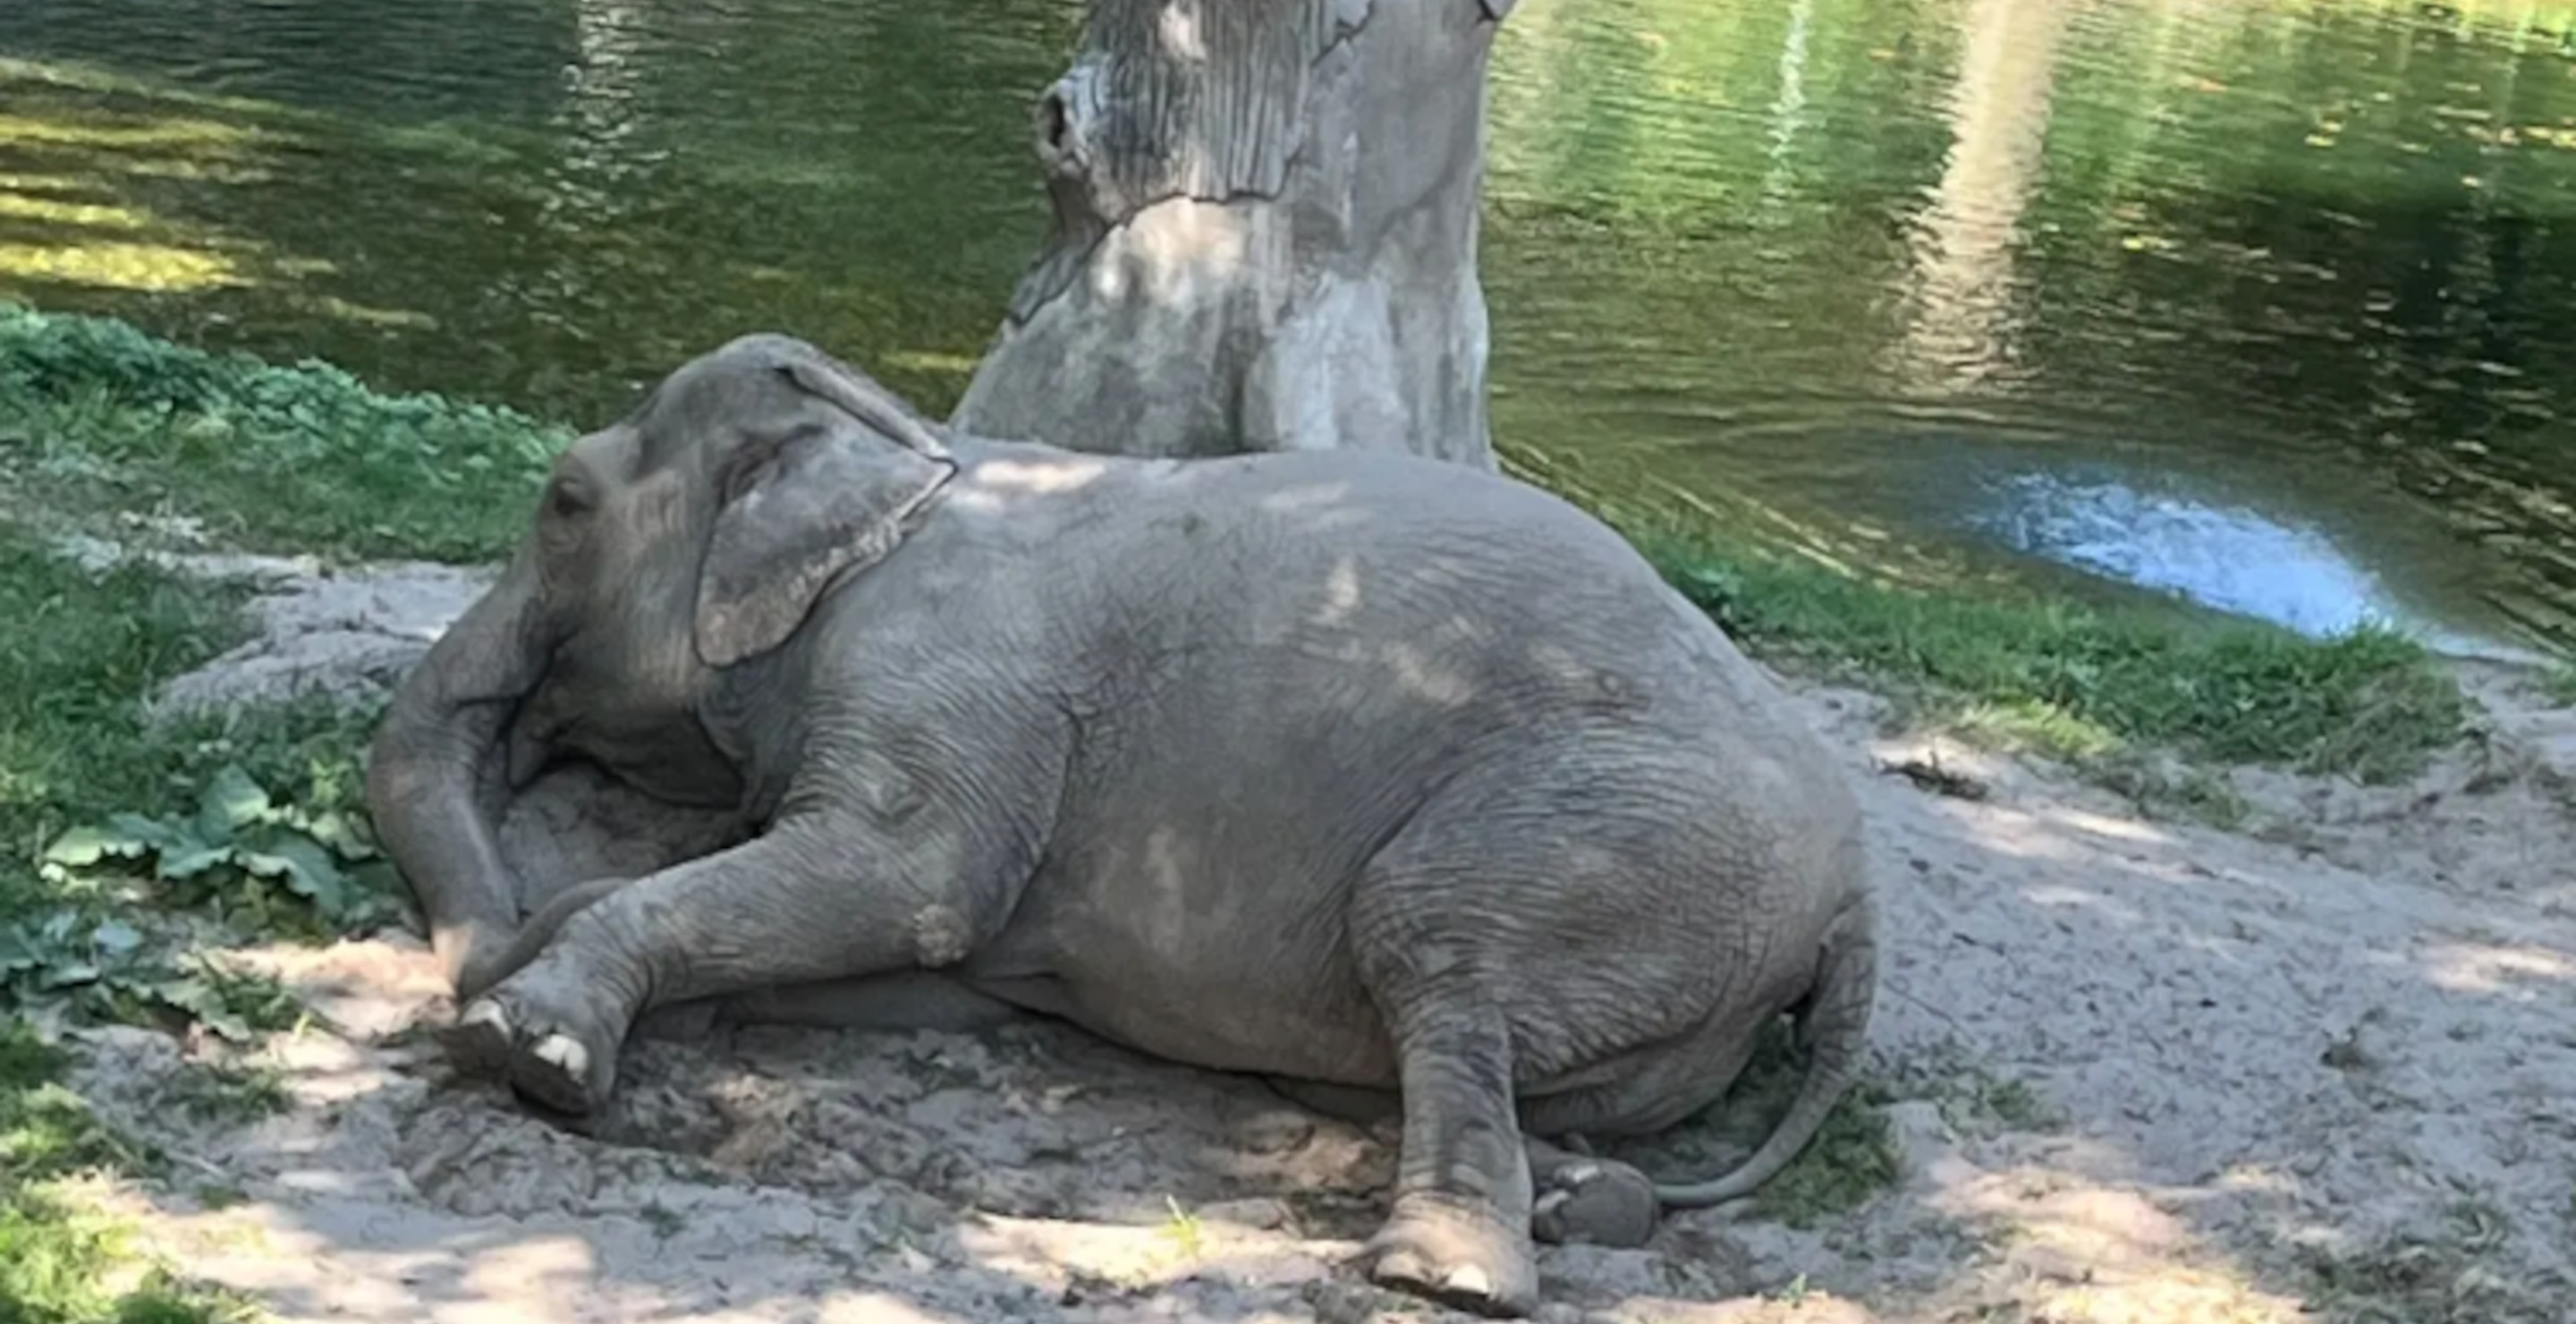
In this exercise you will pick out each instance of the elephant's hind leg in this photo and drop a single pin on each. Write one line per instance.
(1460, 1228)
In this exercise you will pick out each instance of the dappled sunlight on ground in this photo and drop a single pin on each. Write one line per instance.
(2075, 1252)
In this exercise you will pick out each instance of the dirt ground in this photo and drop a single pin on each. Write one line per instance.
(2139, 1071)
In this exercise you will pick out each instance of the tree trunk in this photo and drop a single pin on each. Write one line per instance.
(1264, 238)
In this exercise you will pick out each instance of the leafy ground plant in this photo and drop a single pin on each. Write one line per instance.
(279, 867)
(96, 799)
(68, 965)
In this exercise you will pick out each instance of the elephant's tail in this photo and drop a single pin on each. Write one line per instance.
(1834, 1026)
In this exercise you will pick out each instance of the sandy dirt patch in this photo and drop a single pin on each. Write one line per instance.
(2140, 1071)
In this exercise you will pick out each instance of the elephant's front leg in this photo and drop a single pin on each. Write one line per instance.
(812, 900)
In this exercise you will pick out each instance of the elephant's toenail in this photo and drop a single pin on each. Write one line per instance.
(1551, 1202)
(1575, 1174)
(1469, 1278)
(562, 1050)
(484, 1011)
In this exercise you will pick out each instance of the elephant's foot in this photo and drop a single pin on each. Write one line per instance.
(1592, 1201)
(559, 1051)
(1455, 1255)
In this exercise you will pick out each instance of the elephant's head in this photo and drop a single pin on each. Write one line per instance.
(691, 536)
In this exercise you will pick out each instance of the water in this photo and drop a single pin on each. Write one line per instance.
(2269, 303)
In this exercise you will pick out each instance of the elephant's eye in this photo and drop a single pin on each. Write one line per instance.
(567, 498)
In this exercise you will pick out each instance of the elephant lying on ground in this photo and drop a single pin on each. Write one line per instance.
(1349, 768)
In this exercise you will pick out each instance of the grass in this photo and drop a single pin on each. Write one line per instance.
(2431, 1276)
(1184, 1230)
(227, 1092)
(97, 416)
(60, 1264)
(96, 420)
(2087, 681)
(1852, 1159)
(84, 651)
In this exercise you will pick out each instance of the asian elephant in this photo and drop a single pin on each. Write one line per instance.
(1345, 767)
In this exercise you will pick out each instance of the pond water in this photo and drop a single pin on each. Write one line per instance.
(2272, 304)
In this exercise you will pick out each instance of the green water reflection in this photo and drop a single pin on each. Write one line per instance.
(2274, 302)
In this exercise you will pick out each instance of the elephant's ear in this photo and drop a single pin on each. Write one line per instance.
(798, 512)
(858, 395)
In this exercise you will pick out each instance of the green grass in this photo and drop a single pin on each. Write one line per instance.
(83, 652)
(2091, 679)
(2081, 681)
(96, 416)
(1852, 1159)
(60, 1264)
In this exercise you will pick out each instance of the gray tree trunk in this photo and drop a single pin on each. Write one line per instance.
(1264, 238)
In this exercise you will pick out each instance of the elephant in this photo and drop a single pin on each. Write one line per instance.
(1353, 768)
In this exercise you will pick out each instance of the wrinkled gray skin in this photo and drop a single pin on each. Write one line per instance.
(1357, 770)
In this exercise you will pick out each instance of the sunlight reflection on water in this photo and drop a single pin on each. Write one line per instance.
(2223, 555)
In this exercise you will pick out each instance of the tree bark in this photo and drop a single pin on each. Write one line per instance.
(1264, 238)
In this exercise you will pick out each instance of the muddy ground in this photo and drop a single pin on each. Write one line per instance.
(2138, 1070)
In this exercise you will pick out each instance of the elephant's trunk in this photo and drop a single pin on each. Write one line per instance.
(436, 781)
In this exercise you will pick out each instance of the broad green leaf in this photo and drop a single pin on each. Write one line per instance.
(339, 832)
(64, 974)
(117, 936)
(303, 865)
(193, 860)
(82, 847)
(231, 801)
(148, 833)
